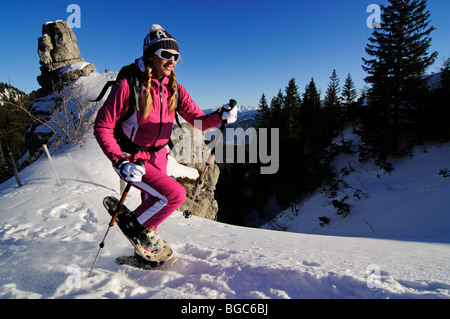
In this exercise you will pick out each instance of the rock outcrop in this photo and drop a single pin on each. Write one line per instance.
(61, 64)
(60, 58)
(205, 204)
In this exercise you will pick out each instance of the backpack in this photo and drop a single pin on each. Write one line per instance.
(132, 75)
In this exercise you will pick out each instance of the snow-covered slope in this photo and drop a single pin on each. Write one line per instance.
(410, 203)
(47, 231)
(49, 236)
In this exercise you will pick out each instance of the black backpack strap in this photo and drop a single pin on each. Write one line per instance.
(104, 90)
(131, 73)
(177, 120)
(150, 149)
(135, 91)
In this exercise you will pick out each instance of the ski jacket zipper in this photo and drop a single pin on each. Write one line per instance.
(160, 119)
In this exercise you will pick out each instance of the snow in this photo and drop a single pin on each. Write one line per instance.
(77, 66)
(49, 236)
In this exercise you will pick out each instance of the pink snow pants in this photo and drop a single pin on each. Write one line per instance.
(161, 196)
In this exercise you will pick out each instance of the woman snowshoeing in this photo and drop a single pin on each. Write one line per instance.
(149, 128)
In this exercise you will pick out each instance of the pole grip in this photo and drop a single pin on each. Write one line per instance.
(232, 103)
(139, 161)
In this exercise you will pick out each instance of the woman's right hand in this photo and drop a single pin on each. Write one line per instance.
(228, 114)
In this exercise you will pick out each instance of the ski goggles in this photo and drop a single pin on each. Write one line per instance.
(167, 55)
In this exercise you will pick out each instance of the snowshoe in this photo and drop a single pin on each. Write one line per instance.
(139, 262)
(147, 242)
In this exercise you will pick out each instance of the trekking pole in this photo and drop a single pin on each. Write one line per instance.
(114, 217)
(188, 213)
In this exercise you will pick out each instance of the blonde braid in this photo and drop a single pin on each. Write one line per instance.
(173, 87)
(148, 100)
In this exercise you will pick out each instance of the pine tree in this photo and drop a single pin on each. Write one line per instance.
(349, 94)
(311, 97)
(332, 116)
(263, 116)
(291, 108)
(445, 76)
(260, 186)
(332, 100)
(13, 126)
(400, 57)
(276, 107)
(284, 115)
(350, 102)
(310, 114)
(444, 101)
(436, 115)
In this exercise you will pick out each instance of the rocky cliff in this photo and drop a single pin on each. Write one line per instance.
(61, 64)
(60, 58)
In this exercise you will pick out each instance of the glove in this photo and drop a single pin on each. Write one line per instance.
(131, 172)
(228, 114)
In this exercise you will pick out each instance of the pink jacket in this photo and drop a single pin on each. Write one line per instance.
(157, 126)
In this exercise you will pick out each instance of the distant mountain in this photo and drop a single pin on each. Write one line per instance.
(433, 80)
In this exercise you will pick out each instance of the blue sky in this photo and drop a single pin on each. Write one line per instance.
(230, 49)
